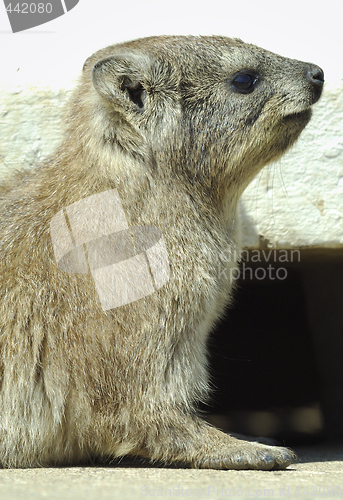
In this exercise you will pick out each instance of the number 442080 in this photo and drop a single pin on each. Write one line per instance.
(30, 8)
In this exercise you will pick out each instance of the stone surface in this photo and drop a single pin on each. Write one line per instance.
(318, 474)
(298, 201)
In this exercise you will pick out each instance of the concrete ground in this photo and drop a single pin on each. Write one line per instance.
(317, 474)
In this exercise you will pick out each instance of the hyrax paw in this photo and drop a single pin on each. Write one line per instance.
(250, 456)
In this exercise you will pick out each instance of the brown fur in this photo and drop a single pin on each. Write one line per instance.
(80, 383)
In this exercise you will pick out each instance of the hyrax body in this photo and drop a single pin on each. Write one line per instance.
(178, 126)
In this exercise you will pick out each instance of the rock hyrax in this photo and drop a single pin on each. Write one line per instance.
(174, 129)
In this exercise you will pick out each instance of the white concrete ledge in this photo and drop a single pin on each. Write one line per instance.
(297, 202)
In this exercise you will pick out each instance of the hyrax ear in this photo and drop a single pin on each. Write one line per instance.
(119, 79)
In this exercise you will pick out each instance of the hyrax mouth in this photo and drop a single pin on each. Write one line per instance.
(300, 117)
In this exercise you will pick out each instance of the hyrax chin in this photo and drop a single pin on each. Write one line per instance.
(167, 131)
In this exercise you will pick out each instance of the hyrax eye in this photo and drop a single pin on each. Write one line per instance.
(244, 82)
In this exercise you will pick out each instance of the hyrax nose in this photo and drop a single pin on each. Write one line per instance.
(315, 76)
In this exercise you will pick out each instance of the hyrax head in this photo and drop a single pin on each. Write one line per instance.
(214, 110)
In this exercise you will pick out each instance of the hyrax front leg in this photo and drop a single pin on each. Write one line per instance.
(193, 442)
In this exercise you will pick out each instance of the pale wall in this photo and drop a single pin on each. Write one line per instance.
(296, 202)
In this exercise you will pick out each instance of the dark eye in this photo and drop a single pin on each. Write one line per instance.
(244, 82)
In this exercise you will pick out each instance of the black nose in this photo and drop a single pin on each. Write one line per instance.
(316, 75)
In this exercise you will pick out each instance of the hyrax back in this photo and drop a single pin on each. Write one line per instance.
(176, 128)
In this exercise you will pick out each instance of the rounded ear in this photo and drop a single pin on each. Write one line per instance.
(119, 78)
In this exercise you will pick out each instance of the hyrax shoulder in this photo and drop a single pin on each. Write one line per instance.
(137, 210)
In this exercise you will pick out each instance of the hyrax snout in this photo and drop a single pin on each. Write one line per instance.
(112, 251)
